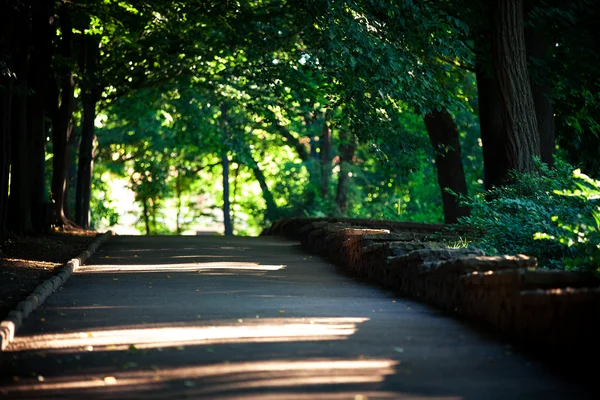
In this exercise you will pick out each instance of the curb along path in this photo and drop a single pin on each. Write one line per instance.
(15, 318)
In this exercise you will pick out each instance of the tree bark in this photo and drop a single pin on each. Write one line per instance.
(146, 216)
(537, 44)
(42, 34)
(7, 29)
(226, 204)
(62, 121)
(510, 62)
(491, 125)
(90, 96)
(325, 144)
(19, 201)
(347, 148)
(443, 134)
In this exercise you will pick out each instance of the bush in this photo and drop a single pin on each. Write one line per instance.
(508, 218)
(582, 236)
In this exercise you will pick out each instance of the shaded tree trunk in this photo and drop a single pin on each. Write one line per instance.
(7, 30)
(325, 144)
(146, 216)
(86, 161)
(226, 204)
(62, 124)
(90, 97)
(491, 125)
(537, 44)
(39, 71)
(178, 194)
(443, 134)
(510, 62)
(19, 201)
(347, 148)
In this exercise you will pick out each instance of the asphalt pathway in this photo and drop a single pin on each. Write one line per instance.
(251, 318)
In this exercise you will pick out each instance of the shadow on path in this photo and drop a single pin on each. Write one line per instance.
(251, 318)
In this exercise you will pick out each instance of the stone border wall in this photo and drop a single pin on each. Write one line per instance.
(554, 312)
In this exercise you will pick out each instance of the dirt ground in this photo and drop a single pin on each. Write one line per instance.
(27, 261)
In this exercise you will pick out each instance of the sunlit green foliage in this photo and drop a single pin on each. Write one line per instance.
(510, 217)
(582, 237)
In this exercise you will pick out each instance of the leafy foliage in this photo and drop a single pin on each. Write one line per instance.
(510, 216)
(583, 236)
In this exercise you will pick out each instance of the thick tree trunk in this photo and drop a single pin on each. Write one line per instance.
(491, 125)
(5, 154)
(62, 121)
(443, 134)
(42, 33)
(226, 204)
(19, 201)
(537, 52)
(510, 62)
(347, 148)
(6, 94)
(86, 163)
(88, 63)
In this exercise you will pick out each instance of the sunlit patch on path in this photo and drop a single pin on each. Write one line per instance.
(241, 331)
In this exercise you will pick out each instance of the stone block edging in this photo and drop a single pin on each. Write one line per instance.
(15, 318)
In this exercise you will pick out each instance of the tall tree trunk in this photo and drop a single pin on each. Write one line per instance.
(325, 143)
(178, 227)
(443, 134)
(146, 216)
(62, 121)
(7, 29)
(510, 62)
(42, 33)
(347, 148)
(19, 201)
(88, 62)
(226, 204)
(491, 125)
(538, 44)
(86, 161)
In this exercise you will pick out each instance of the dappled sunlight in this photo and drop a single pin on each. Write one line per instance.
(161, 336)
(181, 267)
(222, 378)
(205, 256)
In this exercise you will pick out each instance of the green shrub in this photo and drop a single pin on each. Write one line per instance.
(508, 218)
(582, 236)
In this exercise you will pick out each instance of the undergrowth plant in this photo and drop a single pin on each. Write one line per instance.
(583, 236)
(507, 219)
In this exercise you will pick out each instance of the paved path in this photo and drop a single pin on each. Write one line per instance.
(250, 318)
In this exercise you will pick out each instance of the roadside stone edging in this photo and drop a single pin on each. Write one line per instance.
(15, 318)
(554, 312)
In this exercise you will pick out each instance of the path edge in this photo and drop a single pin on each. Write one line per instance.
(15, 318)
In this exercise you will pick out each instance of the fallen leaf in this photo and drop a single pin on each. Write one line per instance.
(115, 279)
(189, 383)
(168, 276)
(399, 349)
(40, 378)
